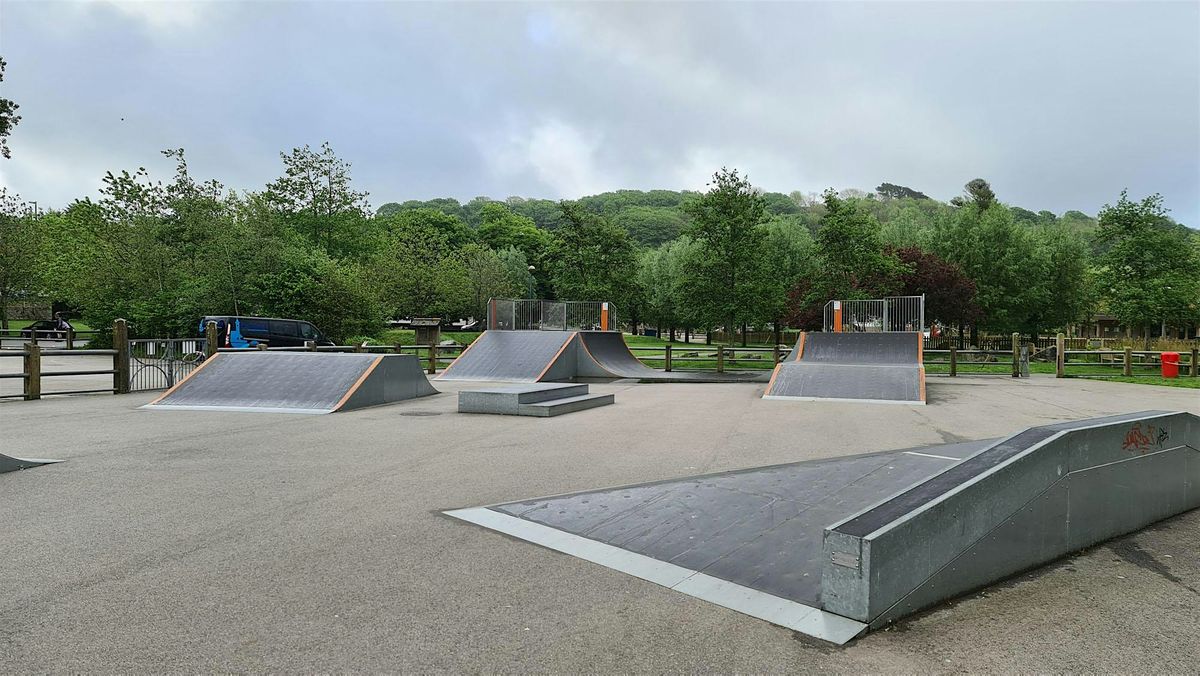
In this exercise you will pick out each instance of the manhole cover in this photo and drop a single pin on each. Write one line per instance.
(421, 414)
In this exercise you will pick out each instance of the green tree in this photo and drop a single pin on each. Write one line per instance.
(19, 246)
(853, 260)
(316, 198)
(726, 276)
(1151, 269)
(516, 266)
(593, 259)
(418, 272)
(790, 254)
(487, 277)
(893, 191)
(8, 118)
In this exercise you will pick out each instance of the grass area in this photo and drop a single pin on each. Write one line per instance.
(1181, 381)
(18, 324)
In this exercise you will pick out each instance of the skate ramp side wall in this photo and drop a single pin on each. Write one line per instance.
(516, 356)
(11, 464)
(394, 377)
(1020, 503)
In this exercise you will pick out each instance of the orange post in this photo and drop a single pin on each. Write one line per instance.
(837, 316)
(604, 316)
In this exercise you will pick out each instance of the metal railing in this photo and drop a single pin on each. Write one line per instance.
(531, 314)
(160, 363)
(897, 313)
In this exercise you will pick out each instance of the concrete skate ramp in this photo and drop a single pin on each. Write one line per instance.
(11, 464)
(296, 382)
(869, 367)
(778, 542)
(516, 357)
(604, 354)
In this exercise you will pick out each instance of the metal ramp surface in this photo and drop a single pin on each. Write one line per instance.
(832, 548)
(296, 382)
(516, 357)
(860, 367)
(11, 464)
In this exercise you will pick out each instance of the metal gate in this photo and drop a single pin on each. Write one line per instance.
(160, 363)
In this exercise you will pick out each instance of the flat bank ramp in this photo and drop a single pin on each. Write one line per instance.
(604, 354)
(11, 464)
(869, 367)
(516, 357)
(834, 547)
(1019, 503)
(296, 382)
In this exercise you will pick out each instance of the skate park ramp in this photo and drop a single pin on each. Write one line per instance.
(296, 382)
(834, 548)
(516, 357)
(861, 367)
(604, 354)
(11, 464)
(546, 356)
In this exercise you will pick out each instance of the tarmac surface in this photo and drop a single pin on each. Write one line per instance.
(213, 541)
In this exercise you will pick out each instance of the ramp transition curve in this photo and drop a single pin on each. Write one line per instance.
(542, 356)
(296, 382)
(862, 367)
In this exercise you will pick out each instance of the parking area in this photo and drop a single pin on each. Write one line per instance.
(236, 542)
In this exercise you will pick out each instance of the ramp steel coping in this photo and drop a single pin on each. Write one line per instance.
(796, 616)
(899, 507)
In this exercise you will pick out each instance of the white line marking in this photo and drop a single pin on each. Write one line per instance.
(795, 616)
(931, 455)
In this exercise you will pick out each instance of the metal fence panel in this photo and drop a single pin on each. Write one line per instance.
(160, 363)
(531, 314)
(897, 313)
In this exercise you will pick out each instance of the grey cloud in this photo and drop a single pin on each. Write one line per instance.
(1059, 105)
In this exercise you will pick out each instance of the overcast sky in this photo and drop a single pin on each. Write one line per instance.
(1058, 105)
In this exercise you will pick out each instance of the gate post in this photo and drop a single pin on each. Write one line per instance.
(33, 371)
(1016, 354)
(211, 340)
(667, 358)
(1060, 344)
(121, 359)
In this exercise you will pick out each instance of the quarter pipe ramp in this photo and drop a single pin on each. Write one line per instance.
(865, 367)
(541, 356)
(296, 382)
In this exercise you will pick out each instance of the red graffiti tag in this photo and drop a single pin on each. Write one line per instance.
(1139, 440)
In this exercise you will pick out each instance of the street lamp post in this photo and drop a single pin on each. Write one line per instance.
(531, 269)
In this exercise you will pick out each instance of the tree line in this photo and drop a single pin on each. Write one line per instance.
(308, 245)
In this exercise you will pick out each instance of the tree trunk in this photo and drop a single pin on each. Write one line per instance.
(708, 336)
(672, 336)
(975, 335)
(960, 334)
(743, 334)
(687, 334)
(778, 337)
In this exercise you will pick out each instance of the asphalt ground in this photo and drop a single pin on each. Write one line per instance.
(202, 541)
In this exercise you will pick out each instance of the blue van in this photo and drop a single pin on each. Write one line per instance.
(253, 331)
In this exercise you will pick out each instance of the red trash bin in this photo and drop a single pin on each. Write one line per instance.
(1170, 364)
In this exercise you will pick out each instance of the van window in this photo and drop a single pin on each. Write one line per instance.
(254, 327)
(281, 328)
(308, 331)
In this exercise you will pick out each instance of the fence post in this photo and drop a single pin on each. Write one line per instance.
(397, 348)
(1060, 356)
(211, 340)
(1127, 371)
(70, 338)
(667, 358)
(433, 352)
(775, 354)
(953, 361)
(1016, 355)
(121, 360)
(1194, 370)
(720, 359)
(33, 371)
